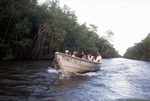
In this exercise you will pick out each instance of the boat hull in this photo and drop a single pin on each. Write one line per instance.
(71, 64)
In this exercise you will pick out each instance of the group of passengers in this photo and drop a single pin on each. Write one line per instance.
(84, 56)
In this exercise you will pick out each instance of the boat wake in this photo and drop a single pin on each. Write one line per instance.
(90, 74)
(58, 72)
(53, 71)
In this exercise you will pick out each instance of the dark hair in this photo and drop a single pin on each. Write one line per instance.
(81, 54)
(82, 51)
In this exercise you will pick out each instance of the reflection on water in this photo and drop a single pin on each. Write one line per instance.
(36, 81)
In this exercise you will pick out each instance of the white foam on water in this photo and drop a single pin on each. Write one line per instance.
(90, 74)
(52, 70)
(62, 76)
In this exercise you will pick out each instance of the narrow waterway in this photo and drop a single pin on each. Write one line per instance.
(37, 81)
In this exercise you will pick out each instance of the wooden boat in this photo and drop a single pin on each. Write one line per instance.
(69, 64)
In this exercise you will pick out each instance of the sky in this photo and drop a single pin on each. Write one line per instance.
(129, 20)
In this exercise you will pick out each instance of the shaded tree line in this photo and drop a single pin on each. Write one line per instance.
(29, 30)
(140, 51)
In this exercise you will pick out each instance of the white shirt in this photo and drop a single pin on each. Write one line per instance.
(73, 56)
(99, 58)
(90, 58)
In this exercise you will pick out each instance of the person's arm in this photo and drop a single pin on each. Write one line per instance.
(85, 57)
(88, 58)
(98, 60)
(92, 58)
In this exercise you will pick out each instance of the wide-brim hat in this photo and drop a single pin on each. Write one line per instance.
(77, 52)
(66, 51)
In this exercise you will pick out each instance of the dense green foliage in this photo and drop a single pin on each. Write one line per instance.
(32, 31)
(141, 51)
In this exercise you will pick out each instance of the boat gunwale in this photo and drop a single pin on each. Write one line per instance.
(77, 58)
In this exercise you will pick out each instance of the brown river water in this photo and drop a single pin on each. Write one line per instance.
(37, 81)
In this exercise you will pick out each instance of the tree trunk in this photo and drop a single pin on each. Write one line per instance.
(7, 29)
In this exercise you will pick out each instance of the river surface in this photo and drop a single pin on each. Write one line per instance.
(37, 81)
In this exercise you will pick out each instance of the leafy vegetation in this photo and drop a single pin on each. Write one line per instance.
(33, 31)
(140, 51)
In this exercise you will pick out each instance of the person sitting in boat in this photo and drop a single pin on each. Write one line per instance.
(99, 58)
(83, 55)
(74, 53)
(67, 52)
(90, 57)
(70, 53)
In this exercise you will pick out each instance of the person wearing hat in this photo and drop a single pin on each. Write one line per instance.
(99, 58)
(67, 52)
(76, 55)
